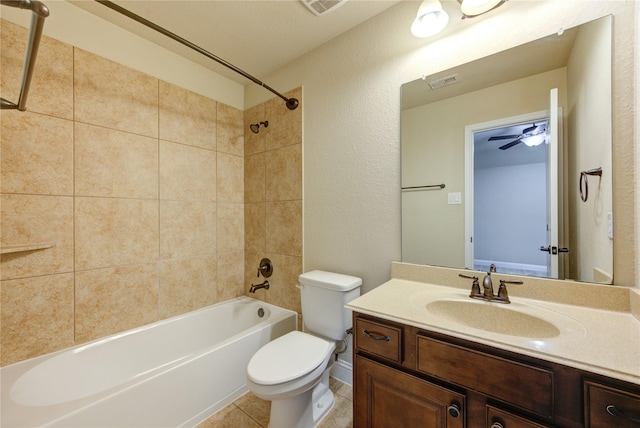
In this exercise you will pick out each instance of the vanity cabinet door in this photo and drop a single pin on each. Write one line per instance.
(610, 407)
(498, 418)
(388, 398)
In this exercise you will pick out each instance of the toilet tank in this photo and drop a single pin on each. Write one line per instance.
(323, 296)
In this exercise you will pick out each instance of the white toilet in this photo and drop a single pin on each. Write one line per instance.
(292, 371)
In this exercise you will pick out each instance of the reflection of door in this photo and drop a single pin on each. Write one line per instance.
(512, 219)
(552, 245)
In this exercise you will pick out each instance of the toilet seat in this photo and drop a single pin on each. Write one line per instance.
(287, 358)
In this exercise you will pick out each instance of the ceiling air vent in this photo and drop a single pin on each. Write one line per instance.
(439, 83)
(321, 7)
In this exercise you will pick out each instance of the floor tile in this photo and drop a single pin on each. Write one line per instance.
(250, 411)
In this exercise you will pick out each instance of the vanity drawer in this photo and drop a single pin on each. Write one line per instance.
(598, 397)
(380, 339)
(527, 387)
(498, 418)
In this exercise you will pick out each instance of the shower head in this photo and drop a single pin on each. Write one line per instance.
(255, 127)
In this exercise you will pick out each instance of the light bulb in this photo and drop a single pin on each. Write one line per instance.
(430, 20)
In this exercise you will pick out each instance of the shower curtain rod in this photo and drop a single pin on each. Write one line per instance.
(39, 13)
(292, 103)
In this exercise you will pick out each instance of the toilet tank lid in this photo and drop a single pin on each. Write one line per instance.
(330, 280)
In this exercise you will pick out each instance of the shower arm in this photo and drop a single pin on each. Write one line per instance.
(292, 103)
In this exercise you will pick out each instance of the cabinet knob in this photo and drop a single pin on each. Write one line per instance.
(497, 425)
(454, 410)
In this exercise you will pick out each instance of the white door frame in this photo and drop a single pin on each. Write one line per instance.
(469, 131)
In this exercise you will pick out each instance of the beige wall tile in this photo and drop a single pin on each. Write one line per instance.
(254, 143)
(32, 219)
(284, 228)
(283, 291)
(255, 227)
(114, 232)
(112, 163)
(112, 95)
(230, 275)
(51, 90)
(285, 126)
(254, 178)
(187, 173)
(187, 284)
(284, 173)
(230, 130)
(111, 232)
(187, 229)
(37, 316)
(230, 227)
(111, 300)
(187, 117)
(37, 154)
(230, 178)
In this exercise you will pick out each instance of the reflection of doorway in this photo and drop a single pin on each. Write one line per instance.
(507, 185)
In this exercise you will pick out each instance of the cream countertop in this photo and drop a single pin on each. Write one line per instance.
(602, 341)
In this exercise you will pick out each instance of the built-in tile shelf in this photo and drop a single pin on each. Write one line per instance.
(8, 249)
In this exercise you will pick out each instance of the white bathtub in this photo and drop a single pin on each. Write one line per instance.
(173, 373)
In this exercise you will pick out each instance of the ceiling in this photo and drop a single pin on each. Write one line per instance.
(257, 36)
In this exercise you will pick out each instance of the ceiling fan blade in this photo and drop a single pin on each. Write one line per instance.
(511, 144)
(503, 137)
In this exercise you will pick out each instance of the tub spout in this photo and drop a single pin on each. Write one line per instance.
(255, 287)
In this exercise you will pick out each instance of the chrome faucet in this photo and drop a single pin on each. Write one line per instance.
(255, 287)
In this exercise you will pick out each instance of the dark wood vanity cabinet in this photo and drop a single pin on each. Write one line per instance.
(408, 377)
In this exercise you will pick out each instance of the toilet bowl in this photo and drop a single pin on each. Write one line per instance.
(293, 373)
(293, 370)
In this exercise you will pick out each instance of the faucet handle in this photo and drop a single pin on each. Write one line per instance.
(503, 295)
(475, 286)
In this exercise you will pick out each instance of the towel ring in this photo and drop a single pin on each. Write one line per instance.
(584, 194)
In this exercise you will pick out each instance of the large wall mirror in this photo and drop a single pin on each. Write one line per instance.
(506, 160)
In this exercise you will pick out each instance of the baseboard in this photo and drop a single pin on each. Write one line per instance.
(343, 371)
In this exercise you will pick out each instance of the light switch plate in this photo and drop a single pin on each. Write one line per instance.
(455, 198)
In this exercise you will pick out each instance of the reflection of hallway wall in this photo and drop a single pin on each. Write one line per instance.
(510, 231)
(433, 151)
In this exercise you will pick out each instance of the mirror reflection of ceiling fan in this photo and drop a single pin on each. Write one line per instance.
(531, 136)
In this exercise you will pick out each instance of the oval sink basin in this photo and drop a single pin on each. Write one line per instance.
(493, 317)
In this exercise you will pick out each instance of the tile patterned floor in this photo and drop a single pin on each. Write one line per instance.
(250, 411)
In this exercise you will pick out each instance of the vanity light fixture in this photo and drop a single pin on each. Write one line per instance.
(471, 8)
(430, 20)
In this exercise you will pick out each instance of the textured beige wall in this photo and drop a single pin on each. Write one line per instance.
(138, 183)
(352, 123)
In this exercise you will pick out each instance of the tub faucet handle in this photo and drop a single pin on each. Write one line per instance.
(265, 268)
